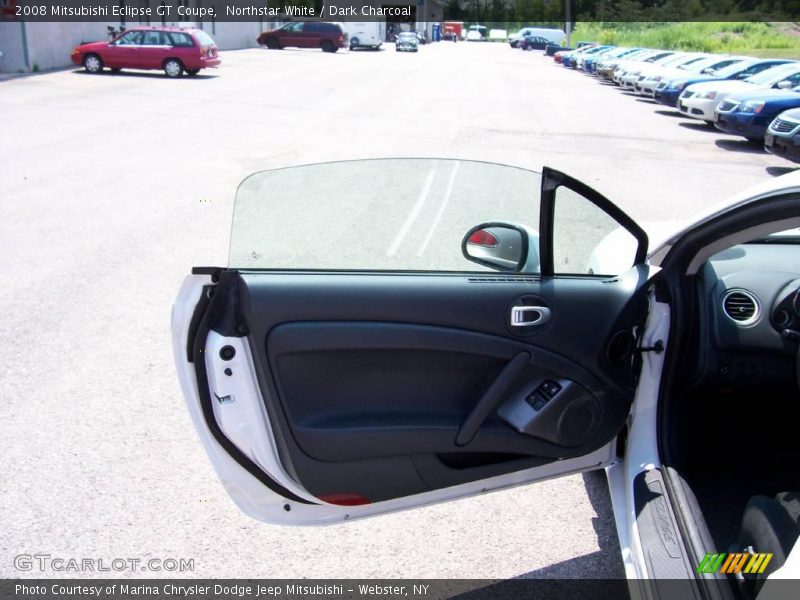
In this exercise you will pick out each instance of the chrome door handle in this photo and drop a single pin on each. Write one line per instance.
(524, 316)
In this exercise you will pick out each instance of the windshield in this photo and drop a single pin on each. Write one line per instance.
(773, 75)
(706, 63)
(408, 36)
(734, 69)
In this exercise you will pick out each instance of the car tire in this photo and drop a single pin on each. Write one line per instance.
(192, 72)
(353, 43)
(327, 46)
(272, 44)
(93, 63)
(173, 67)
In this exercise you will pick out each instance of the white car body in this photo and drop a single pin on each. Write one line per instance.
(647, 82)
(632, 75)
(476, 33)
(248, 426)
(700, 100)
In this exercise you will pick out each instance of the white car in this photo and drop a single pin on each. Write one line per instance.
(644, 58)
(344, 366)
(706, 65)
(653, 71)
(476, 33)
(699, 100)
(630, 74)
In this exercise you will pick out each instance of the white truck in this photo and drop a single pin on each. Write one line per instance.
(365, 35)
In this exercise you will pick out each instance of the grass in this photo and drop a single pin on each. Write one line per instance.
(757, 39)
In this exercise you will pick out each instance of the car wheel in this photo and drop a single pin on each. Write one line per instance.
(173, 67)
(353, 43)
(93, 63)
(327, 46)
(272, 44)
(192, 72)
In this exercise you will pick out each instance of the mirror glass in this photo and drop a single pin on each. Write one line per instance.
(499, 246)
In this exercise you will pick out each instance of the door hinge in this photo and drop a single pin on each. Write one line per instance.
(658, 348)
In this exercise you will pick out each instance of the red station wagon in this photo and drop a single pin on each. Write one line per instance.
(309, 34)
(173, 49)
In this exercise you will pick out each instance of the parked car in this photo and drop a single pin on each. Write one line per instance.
(699, 100)
(635, 66)
(703, 67)
(328, 386)
(644, 84)
(407, 41)
(783, 135)
(174, 49)
(533, 42)
(590, 63)
(607, 67)
(573, 59)
(566, 58)
(476, 33)
(628, 76)
(749, 114)
(668, 92)
(556, 36)
(326, 35)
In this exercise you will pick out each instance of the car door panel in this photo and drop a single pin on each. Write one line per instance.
(371, 377)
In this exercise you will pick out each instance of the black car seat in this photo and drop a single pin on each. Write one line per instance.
(771, 525)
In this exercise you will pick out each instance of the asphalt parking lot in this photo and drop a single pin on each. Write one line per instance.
(114, 186)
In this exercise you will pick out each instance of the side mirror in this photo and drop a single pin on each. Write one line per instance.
(502, 246)
(784, 85)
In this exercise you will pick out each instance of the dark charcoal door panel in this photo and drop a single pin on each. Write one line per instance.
(370, 377)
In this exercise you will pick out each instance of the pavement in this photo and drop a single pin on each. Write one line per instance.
(114, 186)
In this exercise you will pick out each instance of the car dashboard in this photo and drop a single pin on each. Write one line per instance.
(749, 326)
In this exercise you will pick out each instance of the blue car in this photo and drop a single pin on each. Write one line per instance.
(667, 92)
(570, 60)
(590, 62)
(749, 114)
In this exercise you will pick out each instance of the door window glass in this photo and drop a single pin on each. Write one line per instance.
(385, 214)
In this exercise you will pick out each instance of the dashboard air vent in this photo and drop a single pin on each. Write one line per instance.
(741, 306)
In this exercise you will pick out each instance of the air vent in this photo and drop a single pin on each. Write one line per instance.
(741, 306)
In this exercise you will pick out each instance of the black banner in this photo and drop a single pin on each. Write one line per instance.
(507, 12)
(366, 589)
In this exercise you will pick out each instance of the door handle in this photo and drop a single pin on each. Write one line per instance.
(491, 398)
(524, 316)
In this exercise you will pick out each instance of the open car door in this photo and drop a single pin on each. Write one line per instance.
(393, 333)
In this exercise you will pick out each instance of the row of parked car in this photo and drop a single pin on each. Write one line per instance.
(756, 98)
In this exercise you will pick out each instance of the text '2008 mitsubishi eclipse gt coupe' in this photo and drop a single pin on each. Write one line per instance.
(540, 333)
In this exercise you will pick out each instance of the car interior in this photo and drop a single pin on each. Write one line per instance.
(729, 426)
